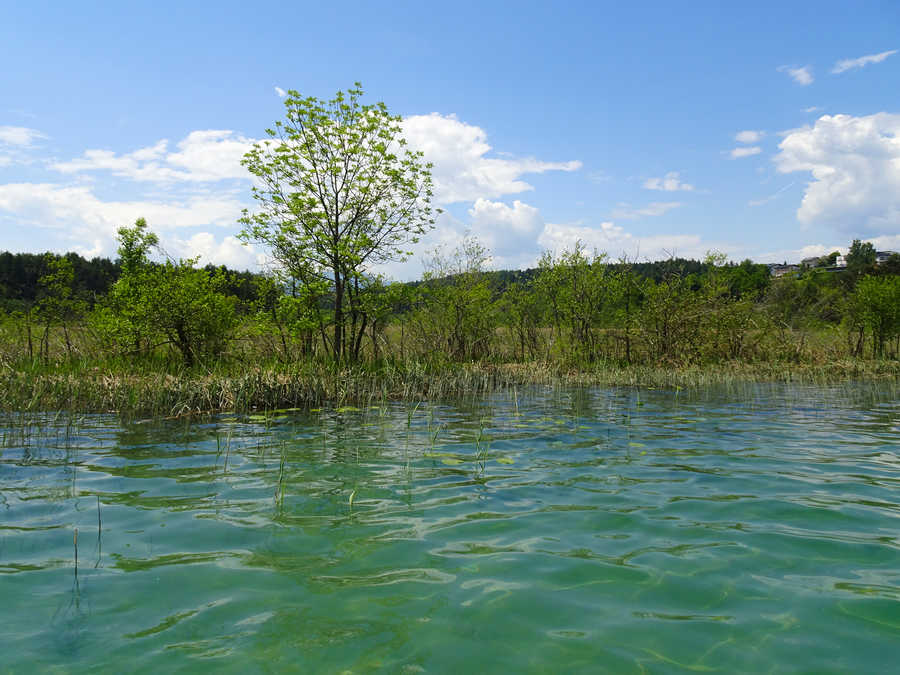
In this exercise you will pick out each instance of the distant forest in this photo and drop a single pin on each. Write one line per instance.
(20, 274)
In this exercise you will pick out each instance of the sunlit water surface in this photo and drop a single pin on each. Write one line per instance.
(747, 529)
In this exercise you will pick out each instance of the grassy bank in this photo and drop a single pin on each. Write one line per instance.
(151, 392)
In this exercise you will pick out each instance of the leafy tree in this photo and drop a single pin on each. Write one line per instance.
(288, 311)
(456, 319)
(891, 266)
(728, 319)
(337, 192)
(173, 303)
(876, 305)
(188, 307)
(59, 304)
(521, 311)
(579, 292)
(135, 244)
(124, 318)
(860, 257)
(669, 320)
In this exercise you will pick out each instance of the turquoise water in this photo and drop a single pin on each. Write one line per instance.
(752, 529)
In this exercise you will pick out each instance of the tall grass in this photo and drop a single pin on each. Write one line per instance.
(146, 392)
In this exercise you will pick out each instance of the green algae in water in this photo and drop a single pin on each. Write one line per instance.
(748, 529)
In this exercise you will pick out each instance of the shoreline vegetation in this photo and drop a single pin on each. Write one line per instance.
(168, 395)
(172, 340)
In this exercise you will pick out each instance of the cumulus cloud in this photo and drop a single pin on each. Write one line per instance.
(614, 240)
(506, 230)
(462, 172)
(802, 76)
(671, 182)
(737, 153)
(178, 187)
(280, 92)
(79, 216)
(212, 155)
(205, 246)
(627, 212)
(852, 64)
(749, 136)
(19, 136)
(202, 156)
(855, 168)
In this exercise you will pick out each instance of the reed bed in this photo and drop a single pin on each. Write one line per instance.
(191, 393)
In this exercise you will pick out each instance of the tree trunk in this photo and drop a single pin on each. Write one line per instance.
(338, 347)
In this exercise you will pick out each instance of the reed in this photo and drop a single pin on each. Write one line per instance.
(149, 393)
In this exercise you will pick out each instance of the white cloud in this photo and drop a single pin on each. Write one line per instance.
(626, 212)
(506, 230)
(202, 156)
(177, 186)
(795, 255)
(614, 240)
(811, 109)
(79, 216)
(229, 251)
(749, 136)
(280, 92)
(153, 152)
(855, 167)
(19, 136)
(851, 64)
(462, 172)
(5, 160)
(737, 153)
(212, 155)
(668, 183)
(886, 242)
(802, 76)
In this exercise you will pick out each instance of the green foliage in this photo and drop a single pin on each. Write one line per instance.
(875, 306)
(860, 258)
(579, 294)
(728, 325)
(521, 313)
(575, 311)
(20, 274)
(337, 192)
(135, 244)
(174, 303)
(188, 307)
(289, 312)
(58, 304)
(455, 318)
(747, 280)
(669, 320)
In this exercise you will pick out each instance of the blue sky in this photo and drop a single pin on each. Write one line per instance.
(763, 130)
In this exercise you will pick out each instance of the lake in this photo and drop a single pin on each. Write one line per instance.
(735, 529)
